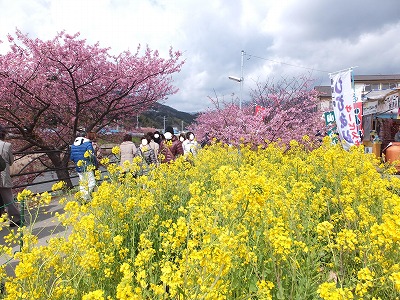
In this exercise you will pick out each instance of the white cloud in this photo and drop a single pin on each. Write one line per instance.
(281, 35)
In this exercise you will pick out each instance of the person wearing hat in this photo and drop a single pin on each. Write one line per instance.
(7, 199)
(83, 155)
(170, 147)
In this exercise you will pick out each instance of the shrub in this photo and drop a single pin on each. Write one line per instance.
(232, 223)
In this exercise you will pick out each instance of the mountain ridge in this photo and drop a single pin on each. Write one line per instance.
(154, 117)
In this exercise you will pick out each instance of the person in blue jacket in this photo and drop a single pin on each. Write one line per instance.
(82, 154)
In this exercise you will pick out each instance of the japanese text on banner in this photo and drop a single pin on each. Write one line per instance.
(342, 99)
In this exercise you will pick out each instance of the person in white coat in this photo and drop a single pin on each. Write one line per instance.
(190, 145)
(7, 200)
(128, 149)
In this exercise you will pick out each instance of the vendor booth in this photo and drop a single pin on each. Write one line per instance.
(381, 122)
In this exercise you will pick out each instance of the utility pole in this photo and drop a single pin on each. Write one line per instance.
(182, 126)
(241, 80)
(164, 123)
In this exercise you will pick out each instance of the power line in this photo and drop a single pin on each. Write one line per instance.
(283, 63)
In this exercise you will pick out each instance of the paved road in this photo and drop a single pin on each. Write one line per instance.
(44, 225)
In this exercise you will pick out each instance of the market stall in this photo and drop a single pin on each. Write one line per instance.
(380, 120)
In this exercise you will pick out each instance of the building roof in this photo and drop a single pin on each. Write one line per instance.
(380, 78)
(324, 91)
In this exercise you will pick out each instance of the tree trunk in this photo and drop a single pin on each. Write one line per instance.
(61, 165)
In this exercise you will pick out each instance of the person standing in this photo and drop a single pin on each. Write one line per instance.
(83, 155)
(157, 138)
(205, 141)
(7, 199)
(170, 147)
(182, 137)
(147, 155)
(128, 149)
(190, 145)
(153, 145)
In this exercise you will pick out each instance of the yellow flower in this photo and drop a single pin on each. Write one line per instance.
(324, 229)
(115, 150)
(118, 241)
(280, 239)
(365, 277)
(88, 154)
(24, 195)
(234, 221)
(45, 198)
(329, 291)
(95, 295)
(105, 161)
(347, 240)
(264, 289)
(58, 186)
(395, 277)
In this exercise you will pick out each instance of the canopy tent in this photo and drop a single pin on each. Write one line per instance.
(382, 104)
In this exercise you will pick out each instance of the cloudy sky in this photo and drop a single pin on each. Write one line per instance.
(281, 38)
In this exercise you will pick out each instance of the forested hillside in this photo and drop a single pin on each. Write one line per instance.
(155, 117)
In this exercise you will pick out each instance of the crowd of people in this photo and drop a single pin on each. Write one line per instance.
(154, 148)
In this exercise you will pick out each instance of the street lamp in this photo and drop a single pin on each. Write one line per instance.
(235, 78)
(240, 80)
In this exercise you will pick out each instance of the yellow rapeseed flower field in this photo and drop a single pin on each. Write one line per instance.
(231, 223)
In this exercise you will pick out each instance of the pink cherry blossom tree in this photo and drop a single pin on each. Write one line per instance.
(49, 89)
(277, 112)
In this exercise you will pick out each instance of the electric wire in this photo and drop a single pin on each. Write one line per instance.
(283, 63)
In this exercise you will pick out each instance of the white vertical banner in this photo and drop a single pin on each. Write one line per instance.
(343, 107)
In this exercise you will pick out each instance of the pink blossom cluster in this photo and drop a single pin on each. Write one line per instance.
(285, 115)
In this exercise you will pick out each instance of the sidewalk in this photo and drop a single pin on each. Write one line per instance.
(45, 225)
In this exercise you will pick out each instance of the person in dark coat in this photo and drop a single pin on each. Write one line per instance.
(157, 137)
(170, 147)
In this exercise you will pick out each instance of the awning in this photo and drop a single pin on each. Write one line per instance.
(385, 116)
(376, 95)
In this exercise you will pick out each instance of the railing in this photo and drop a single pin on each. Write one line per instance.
(43, 176)
(37, 161)
(41, 179)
